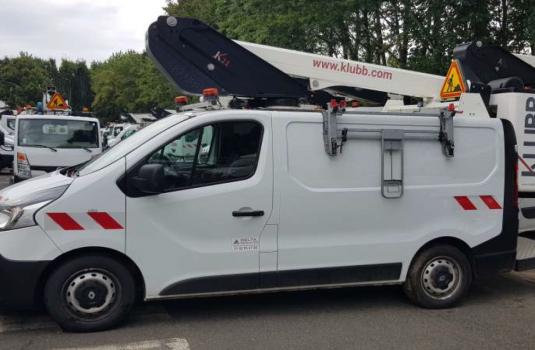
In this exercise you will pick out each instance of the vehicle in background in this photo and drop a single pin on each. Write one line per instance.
(7, 127)
(113, 131)
(126, 132)
(44, 143)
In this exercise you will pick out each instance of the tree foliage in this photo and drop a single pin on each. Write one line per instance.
(23, 79)
(128, 82)
(414, 34)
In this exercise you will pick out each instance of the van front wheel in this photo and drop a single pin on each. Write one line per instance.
(90, 293)
(439, 277)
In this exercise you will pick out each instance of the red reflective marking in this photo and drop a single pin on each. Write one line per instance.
(525, 164)
(490, 202)
(65, 221)
(105, 220)
(465, 202)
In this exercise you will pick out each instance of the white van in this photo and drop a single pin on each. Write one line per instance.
(262, 208)
(44, 143)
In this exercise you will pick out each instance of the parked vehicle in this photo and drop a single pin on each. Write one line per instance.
(44, 143)
(114, 130)
(126, 132)
(7, 127)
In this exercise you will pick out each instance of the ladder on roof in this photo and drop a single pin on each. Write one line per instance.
(392, 142)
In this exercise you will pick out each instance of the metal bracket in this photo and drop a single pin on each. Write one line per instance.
(445, 135)
(332, 137)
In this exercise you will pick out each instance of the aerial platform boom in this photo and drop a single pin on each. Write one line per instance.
(326, 72)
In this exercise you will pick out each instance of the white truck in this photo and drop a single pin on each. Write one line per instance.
(44, 143)
(274, 198)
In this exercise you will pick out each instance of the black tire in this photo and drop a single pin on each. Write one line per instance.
(76, 291)
(439, 277)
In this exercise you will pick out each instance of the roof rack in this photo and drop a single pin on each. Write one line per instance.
(335, 137)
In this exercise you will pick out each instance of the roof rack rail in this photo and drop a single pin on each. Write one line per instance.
(335, 137)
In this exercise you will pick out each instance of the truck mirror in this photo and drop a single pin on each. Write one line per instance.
(150, 179)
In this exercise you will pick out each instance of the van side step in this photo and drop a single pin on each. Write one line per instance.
(525, 254)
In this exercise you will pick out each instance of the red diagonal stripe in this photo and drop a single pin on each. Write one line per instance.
(465, 202)
(105, 220)
(490, 202)
(65, 221)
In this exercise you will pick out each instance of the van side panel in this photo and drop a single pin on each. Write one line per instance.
(91, 213)
(499, 253)
(332, 212)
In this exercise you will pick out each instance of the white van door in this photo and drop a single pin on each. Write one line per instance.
(337, 227)
(202, 234)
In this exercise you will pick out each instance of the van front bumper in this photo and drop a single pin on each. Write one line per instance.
(20, 283)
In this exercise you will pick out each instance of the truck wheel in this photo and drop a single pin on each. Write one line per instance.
(90, 293)
(439, 277)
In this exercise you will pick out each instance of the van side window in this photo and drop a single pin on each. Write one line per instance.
(216, 153)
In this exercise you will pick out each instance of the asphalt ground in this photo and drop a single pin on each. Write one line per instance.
(498, 314)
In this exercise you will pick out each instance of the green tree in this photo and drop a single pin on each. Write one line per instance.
(73, 81)
(128, 82)
(417, 34)
(23, 79)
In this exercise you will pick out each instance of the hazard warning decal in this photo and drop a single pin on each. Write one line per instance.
(453, 85)
(57, 102)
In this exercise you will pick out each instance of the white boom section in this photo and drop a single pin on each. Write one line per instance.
(324, 72)
(527, 58)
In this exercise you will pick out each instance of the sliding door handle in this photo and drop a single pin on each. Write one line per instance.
(242, 213)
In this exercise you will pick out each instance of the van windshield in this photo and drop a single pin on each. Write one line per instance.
(131, 143)
(11, 123)
(58, 133)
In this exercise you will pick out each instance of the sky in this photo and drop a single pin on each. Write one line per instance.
(89, 30)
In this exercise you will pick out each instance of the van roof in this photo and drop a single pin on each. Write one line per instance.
(56, 117)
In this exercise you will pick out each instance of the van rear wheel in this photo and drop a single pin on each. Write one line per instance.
(439, 277)
(90, 293)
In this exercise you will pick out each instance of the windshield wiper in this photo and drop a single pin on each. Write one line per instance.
(87, 149)
(44, 146)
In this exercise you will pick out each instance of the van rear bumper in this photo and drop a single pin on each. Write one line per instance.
(20, 282)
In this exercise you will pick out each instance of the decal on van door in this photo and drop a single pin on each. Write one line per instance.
(245, 244)
(93, 220)
(469, 204)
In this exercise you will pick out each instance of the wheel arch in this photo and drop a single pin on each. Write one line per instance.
(75, 253)
(447, 240)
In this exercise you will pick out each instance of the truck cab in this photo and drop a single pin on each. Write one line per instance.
(44, 143)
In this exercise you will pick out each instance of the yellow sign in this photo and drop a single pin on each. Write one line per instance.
(453, 85)
(57, 102)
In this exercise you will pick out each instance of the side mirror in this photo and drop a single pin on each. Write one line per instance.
(2, 138)
(150, 179)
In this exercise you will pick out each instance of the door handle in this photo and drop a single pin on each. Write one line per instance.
(242, 213)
